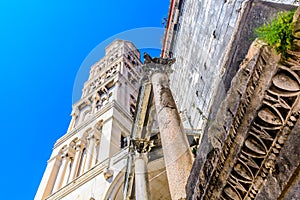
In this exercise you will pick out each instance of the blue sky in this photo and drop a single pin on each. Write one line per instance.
(42, 46)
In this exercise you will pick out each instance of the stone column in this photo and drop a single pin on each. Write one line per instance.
(61, 172)
(141, 148)
(177, 154)
(95, 150)
(141, 176)
(89, 152)
(70, 156)
(78, 151)
(53, 175)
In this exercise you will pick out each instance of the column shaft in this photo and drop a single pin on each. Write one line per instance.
(60, 174)
(67, 172)
(95, 154)
(76, 162)
(177, 154)
(51, 181)
(141, 177)
(89, 153)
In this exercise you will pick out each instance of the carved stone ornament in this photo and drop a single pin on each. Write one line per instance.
(142, 145)
(163, 61)
(156, 65)
(246, 151)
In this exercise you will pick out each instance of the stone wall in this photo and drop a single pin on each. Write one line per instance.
(210, 39)
(250, 150)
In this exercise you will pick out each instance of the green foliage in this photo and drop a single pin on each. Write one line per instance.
(279, 33)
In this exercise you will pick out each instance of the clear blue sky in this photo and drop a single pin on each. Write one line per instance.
(42, 46)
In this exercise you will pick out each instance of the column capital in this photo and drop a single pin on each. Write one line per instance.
(156, 65)
(90, 136)
(142, 145)
(80, 144)
(68, 152)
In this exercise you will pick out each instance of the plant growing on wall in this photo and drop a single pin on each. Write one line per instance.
(278, 33)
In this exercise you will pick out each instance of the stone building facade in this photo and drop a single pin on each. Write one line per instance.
(209, 40)
(251, 149)
(89, 161)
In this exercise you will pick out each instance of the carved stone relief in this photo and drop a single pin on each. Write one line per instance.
(245, 152)
(266, 136)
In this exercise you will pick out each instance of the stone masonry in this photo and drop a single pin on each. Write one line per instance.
(209, 41)
(251, 149)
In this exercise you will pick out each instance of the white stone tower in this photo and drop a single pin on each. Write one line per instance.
(87, 162)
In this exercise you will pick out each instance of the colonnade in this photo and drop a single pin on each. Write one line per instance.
(76, 158)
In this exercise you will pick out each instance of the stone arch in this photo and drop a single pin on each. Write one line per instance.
(115, 191)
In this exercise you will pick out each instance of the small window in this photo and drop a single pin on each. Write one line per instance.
(123, 141)
(132, 109)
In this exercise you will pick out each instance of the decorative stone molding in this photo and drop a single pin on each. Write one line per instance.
(252, 126)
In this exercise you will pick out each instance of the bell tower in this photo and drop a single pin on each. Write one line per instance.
(91, 154)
